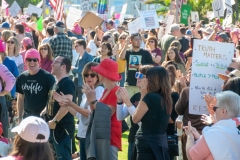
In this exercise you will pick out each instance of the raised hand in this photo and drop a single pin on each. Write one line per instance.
(90, 93)
(118, 95)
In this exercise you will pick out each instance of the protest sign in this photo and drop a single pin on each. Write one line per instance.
(85, 7)
(90, 20)
(33, 9)
(170, 20)
(72, 16)
(137, 9)
(105, 18)
(123, 12)
(14, 9)
(112, 10)
(227, 20)
(209, 15)
(218, 8)
(195, 16)
(209, 59)
(149, 19)
(135, 26)
(185, 13)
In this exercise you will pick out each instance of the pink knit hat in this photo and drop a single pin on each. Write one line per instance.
(2, 48)
(76, 29)
(32, 53)
(27, 41)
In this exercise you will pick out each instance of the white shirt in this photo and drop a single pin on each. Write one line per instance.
(92, 46)
(18, 60)
(82, 128)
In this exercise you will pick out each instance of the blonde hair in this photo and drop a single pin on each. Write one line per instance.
(16, 46)
(6, 34)
(50, 52)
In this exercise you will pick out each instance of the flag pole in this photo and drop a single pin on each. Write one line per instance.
(44, 9)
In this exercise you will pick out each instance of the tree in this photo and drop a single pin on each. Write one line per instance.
(21, 3)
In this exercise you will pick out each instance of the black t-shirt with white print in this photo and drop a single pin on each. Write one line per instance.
(35, 89)
(134, 60)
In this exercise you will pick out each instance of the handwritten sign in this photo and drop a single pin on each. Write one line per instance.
(149, 19)
(73, 15)
(134, 26)
(209, 59)
(33, 9)
(195, 16)
(85, 7)
(123, 12)
(14, 9)
(218, 8)
(105, 18)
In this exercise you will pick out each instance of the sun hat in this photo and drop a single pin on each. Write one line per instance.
(5, 25)
(31, 127)
(27, 41)
(208, 30)
(109, 69)
(32, 53)
(235, 73)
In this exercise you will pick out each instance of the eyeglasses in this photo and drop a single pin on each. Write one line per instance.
(12, 42)
(151, 41)
(122, 38)
(139, 75)
(230, 69)
(32, 59)
(92, 75)
(57, 62)
(44, 49)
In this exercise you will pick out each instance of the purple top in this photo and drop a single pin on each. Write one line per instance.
(182, 56)
(46, 64)
(158, 53)
(7, 77)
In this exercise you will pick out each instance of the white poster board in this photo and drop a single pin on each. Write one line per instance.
(135, 26)
(228, 20)
(169, 22)
(195, 16)
(33, 9)
(112, 10)
(137, 9)
(149, 19)
(209, 14)
(72, 16)
(218, 8)
(105, 18)
(85, 7)
(14, 9)
(123, 12)
(209, 59)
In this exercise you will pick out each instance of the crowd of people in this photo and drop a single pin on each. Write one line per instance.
(109, 81)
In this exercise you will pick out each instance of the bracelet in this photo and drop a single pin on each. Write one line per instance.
(119, 103)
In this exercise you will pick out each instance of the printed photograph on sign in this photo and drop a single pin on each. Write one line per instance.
(134, 62)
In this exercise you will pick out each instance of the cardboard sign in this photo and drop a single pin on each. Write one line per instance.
(33, 9)
(195, 16)
(123, 12)
(14, 9)
(73, 15)
(90, 20)
(149, 19)
(134, 26)
(218, 8)
(209, 59)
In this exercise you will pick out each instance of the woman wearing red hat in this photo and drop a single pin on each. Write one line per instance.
(108, 74)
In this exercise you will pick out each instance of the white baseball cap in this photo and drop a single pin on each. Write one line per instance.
(31, 127)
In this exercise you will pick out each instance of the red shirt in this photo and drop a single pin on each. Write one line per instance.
(116, 126)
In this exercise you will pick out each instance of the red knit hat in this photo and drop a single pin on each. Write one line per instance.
(109, 69)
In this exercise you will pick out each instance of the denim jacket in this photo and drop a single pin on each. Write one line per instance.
(80, 65)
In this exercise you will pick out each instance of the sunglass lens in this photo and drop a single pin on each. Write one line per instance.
(230, 69)
(136, 75)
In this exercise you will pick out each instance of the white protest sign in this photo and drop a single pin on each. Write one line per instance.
(85, 7)
(218, 8)
(72, 16)
(195, 16)
(209, 59)
(39, 5)
(149, 19)
(170, 20)
(134, 26)
(209, 14)
(112, 10)
(105, 18)
(123, 12)
(227, 20)
(14, 9)
(137, 9)
(33, 9)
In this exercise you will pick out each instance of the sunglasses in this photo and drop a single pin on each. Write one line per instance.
(32, 59)
(230, 69)
(92, 75)
(139, 75)
(12, 42)
(122, 38)
(151, 41)
(44, 49)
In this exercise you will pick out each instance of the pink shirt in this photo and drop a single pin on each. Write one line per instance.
(200, 151)
(7, 77)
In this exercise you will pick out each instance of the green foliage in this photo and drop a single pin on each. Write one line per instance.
(164, 3)
(201, 6)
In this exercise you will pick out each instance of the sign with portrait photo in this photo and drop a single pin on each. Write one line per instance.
(149, 19)
(134, 62)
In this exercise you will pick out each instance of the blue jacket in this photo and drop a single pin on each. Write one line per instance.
(80, 65)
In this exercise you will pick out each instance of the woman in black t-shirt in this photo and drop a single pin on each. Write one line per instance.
(153, 111)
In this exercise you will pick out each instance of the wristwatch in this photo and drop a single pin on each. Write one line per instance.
(56, 121)
(93, 102)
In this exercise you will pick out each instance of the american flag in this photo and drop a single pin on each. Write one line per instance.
(180, 2)
(57, 6)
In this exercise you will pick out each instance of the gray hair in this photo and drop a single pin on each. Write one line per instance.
(174, 27)
(60, 29)
(229, 101)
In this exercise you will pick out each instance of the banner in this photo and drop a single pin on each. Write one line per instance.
(102, 5)
(72, 16)
(135, 26)
(149, 19)
(209, 59)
